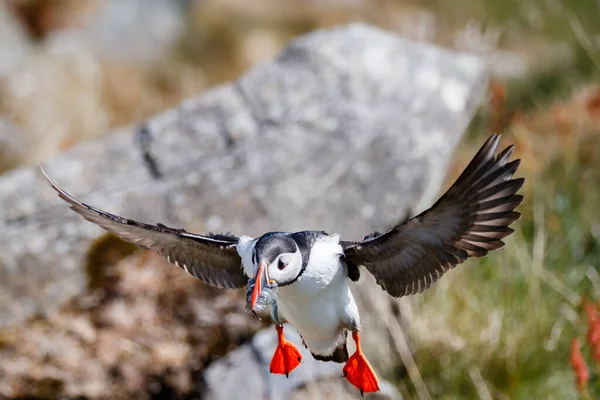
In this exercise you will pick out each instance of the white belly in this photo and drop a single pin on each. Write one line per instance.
(320, 311)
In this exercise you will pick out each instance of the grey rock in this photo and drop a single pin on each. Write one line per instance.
(340, 389)
(347, 130)
(247, 370)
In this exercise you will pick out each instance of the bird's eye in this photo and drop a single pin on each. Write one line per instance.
(281, 264)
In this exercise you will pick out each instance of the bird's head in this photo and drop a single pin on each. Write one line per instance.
(277, 259)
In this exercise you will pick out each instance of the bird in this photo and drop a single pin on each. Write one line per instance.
(311, 271)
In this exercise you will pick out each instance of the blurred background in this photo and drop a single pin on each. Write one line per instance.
(72, 70)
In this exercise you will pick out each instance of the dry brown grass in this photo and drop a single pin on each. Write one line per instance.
(142, 330)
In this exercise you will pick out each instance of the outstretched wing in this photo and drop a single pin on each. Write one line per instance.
(469, 220)
(212, 258)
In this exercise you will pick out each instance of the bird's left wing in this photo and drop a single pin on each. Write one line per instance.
(212, 258)
(469, 220)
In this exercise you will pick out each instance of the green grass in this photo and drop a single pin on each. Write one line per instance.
(506, 321)
(510, 316)
(551, 20)
(501, 327)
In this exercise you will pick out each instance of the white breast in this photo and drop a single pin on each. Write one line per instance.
(319, 305)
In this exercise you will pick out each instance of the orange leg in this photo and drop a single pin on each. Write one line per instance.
(286, 356)
(358, 371)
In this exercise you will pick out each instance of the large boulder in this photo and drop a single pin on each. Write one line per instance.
(348, 130)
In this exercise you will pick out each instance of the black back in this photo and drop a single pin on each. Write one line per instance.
(305, 241)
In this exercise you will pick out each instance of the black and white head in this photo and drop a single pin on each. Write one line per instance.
(278, 259)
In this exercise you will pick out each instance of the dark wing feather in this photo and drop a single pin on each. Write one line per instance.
(212, 258)
(469, 220)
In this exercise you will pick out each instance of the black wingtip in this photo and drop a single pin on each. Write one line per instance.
(519, 182)
(483, 156)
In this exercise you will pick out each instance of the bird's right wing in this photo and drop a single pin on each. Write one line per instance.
(212, 258)
(469, 220)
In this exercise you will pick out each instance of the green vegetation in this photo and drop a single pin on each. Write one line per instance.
(501, 327)
(510, 317)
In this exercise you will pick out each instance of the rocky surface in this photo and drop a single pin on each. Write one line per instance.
(248, 367)
(348, 130)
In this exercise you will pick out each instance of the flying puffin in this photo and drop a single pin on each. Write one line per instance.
(311, 270)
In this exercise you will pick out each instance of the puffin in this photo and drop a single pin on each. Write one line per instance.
(304, 277)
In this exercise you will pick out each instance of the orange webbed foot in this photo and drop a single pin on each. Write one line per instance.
(286, 357)
(359, 372)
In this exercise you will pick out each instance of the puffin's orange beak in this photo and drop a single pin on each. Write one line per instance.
(260, 281)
